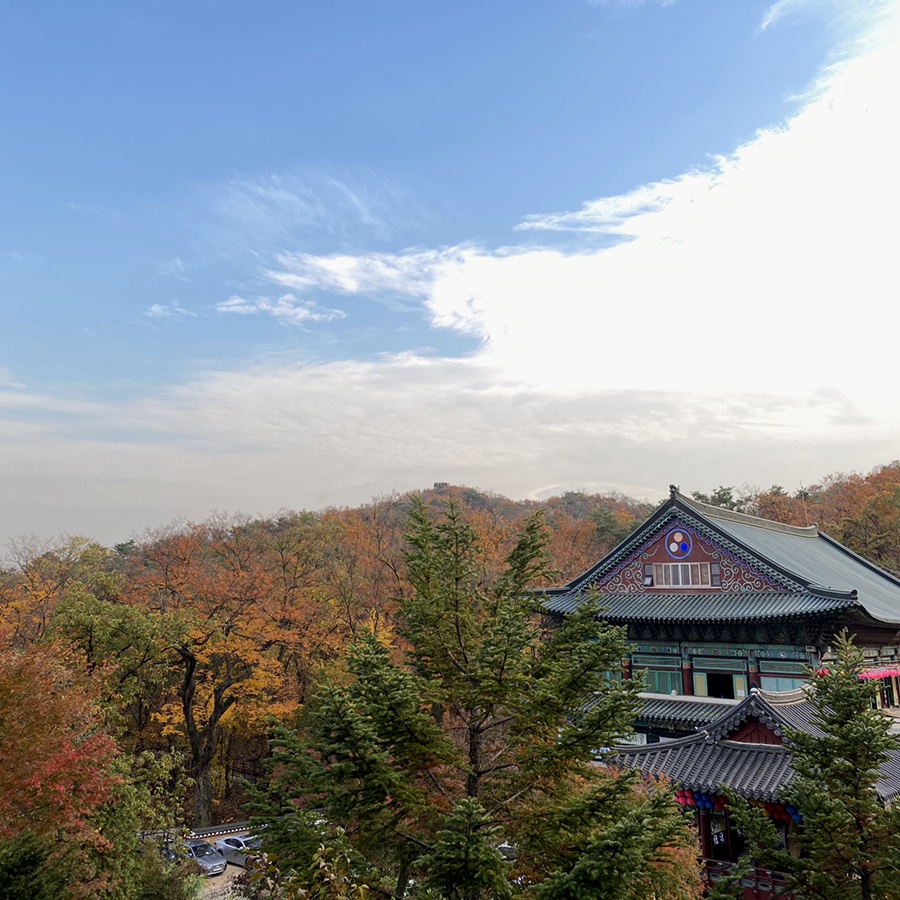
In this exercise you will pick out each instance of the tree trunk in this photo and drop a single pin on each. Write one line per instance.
(203, 797)
(402, 881)
(473, 782)
(203, 740)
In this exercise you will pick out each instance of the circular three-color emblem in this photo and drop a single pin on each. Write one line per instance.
(678, 543)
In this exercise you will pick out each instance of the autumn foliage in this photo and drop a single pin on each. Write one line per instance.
(54, 758)
(56, 771)
(194, 636)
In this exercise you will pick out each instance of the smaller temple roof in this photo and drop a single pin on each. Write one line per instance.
(709, 759)
(680, 712)
(697, 763)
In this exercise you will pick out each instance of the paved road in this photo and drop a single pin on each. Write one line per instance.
(219, 888)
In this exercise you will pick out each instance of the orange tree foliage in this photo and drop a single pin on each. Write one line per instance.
(860, 511)
(252, 626)
(56, 762)
(363, 565)
(41, 576)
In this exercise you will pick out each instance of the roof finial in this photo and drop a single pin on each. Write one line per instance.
(673, 490)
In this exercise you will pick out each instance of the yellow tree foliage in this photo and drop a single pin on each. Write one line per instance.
(254, 625)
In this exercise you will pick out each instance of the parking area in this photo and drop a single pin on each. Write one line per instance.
(219, 887)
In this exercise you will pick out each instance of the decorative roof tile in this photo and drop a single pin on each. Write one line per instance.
(725, 606)
(756, 771)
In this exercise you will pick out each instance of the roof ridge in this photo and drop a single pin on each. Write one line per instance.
(729, 515)
(688, 698)
(783, 698)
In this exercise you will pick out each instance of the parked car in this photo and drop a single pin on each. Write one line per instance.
(164, 844)
(238, 847)
(207, 858)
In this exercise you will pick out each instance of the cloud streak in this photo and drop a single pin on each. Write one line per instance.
(172, 310)
(265, 215)
(286, 308)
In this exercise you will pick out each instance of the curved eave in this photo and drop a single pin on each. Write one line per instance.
(755, 771)
(707, 608)
(679, 714)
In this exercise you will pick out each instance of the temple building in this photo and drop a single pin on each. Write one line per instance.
(744, 750)
(717, 602)
(727, 616)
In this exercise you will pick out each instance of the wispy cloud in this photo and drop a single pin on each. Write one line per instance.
(8, 380)
(621, 214)
(175, 267)
(287, 308)
(838, 12)
(172, 310)
(268, 214)
(412, 272)
(24, 257)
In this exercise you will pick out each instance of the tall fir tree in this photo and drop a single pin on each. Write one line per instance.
(848, 847)
(475, 740)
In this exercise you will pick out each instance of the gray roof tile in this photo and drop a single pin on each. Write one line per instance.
(709, 759)
(725, 606)
(681, 713)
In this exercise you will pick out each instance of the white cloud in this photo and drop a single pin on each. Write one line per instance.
(759, 272)
(287, 308)
(175, 267)
(8, 380)
(101, 212)
(840, 12)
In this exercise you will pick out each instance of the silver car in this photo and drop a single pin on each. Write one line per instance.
(207, 858)
(238, 847)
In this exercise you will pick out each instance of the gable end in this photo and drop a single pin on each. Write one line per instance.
(737, 569)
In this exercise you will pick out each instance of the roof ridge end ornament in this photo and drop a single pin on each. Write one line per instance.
(674, 489)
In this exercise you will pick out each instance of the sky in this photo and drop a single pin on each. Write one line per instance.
(291, 255)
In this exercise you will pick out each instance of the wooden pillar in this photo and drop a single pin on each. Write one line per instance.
(687, 676)
(706, 850)
(753, 678)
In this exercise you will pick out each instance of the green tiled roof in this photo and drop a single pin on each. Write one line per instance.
(724, 606)
(817, 575)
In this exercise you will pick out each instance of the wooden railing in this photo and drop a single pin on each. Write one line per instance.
(758, 884)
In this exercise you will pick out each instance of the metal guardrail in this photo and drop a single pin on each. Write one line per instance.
(200, 833)
(219, 830)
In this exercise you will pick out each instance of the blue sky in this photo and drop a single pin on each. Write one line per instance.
(290, 255)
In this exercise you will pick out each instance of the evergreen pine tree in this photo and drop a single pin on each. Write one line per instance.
(485, 732)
